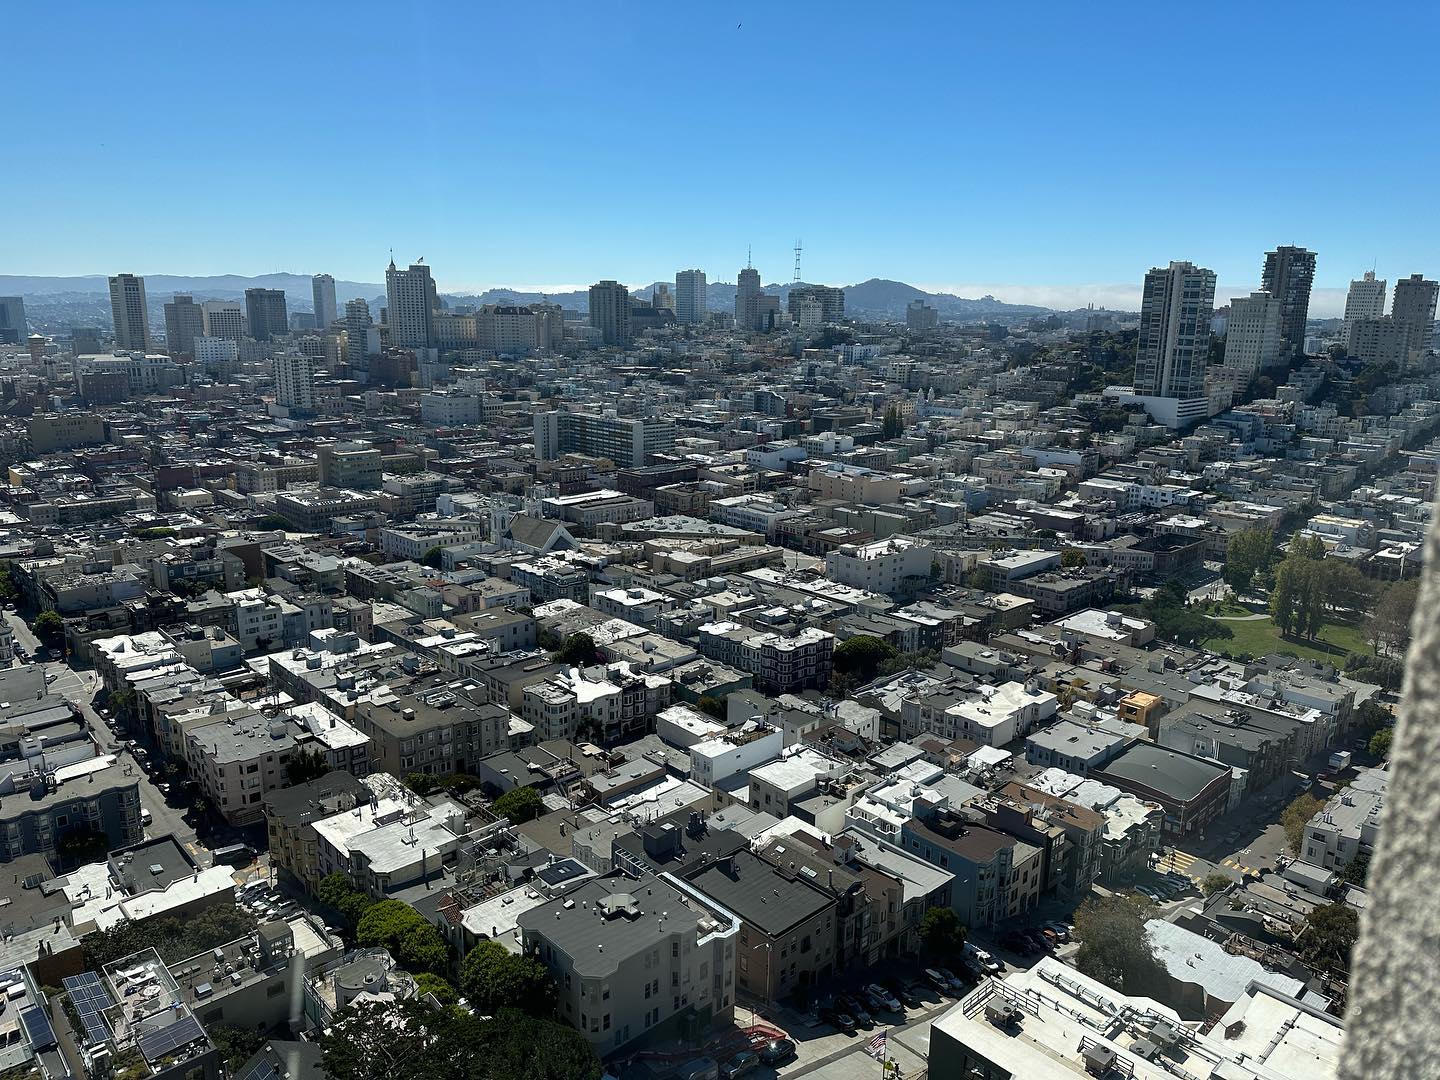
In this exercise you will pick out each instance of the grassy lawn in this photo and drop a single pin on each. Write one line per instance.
(1260, 637)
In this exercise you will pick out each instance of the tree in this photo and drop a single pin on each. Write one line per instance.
(420, 783)
(1389, 627)
(492, 978)
(408, 1040)
(1347, 590)
(1247, 554)
(173, 938)
(1328, 937)
(711, 706)
(579, 649)
(1357, 870)
(1113, 945)
(861, 656)
(1296, 816)
(1072, 557)
(519, 804)
(236, 1044)
(396, 926)
(1215, 882)
(305, 766)
(942, 931)
(891, 426)
(48, 625)
(336, 893)
(1379, 745)
(443, 989)
(1297, 603)
(433, 557)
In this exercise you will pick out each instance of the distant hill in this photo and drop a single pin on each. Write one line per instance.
(876, 297)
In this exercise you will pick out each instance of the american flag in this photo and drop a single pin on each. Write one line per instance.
(876, 1046)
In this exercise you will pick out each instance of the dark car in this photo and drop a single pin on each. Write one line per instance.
(906, 995)
(839, 1018)
(777, 1051)
(856, 1008)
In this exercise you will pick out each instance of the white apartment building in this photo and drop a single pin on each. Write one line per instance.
(1365, 300)
(223, 319)
(757, 513)
(413, 541)
(1252, 339)
(886, 566)
(295, 382)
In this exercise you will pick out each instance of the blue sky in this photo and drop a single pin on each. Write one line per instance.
(1029, 149)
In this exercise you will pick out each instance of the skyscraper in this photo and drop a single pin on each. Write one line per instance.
(1365, 300)
(690, 302)
(410, 303)
(1252, 337)
(361, 338)
(13, 328)
(1413, 306)
(610, 312)
(323, 287)
(184, 322)
(661, 297)
(830, 299)
(1287, 276)
(265, 312)
(127, 309)
(223, 319)
(747, 299)
(1175, 311)
(295, 381)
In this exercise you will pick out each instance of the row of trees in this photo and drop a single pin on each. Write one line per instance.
(173, 938)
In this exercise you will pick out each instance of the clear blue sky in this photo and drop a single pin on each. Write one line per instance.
(1042, 144)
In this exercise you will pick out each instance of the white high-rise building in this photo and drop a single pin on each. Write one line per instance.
(1175, 311)
(216, 354)
(690, 296)
(295, 382)
(1365, 300)
(323, 288)
(127, 308)
(410, 303)
(223, 319)
(1253, 341)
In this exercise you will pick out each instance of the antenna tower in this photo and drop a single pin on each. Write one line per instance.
(797, 262)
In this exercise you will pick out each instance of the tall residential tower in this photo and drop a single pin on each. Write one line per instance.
(690, 296)
(127, 308)
(410, 303)
(1287, 276)
(1175, 311)
(322, 286)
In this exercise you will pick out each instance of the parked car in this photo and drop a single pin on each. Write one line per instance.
(904, 993)
(839, 1018)
(1020, 942)
(746, 1061)
(700, 1069)
(938, 981)
(957, 984)
(1059, 929)
(981, 958)
(856, 1008)
(882, 998)
(777, 1051)
(1149, 894)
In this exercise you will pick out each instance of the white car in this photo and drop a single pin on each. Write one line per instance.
(884, 997)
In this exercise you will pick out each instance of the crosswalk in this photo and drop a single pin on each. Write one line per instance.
(1235, 864)
(1175, 862)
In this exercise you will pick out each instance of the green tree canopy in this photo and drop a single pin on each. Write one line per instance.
(519, 804)
(1072, 557)
(1113, 945)
(1215, 882)
(407, 1040)
(336, 893)
(492, 977)
(1389, 627)
(1328, 937)
(444, 990)
(1296, 816)
(396, 926)
(862, 655)
(578, 650)
(942, 931)
(173, 938)
(48, 625)
(1379, 745)
(433, 557)
(236, 1044)
(1247, 554)
(304, 766)
(1357, 870)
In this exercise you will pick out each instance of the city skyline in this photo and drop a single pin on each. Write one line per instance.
(1018, 173)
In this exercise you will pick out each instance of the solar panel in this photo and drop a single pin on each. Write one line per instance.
(36, 1022)
(262, 1067)
(91, 999)
(157, 1044)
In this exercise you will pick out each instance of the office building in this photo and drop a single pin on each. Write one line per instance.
(1287, 276)
(265, 313)
(747, 300)
(223, 319)
(610, 312)
(1253, 340)
(661, 299)
(13, 327)
(184, 322)
(410, 303)
(830, 299)
(128, 310)
(217, 355)
(295, 382)
(1365, 300)
(690, 296)
(624, 440)
(357, 466)
(1413, 306)
(362, 338)
(1175, 311)
(322, 287)
(920, 316)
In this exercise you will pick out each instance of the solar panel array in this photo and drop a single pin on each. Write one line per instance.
(90, 998)
(36, 1022)
(156, 1044)
(261, 1068)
